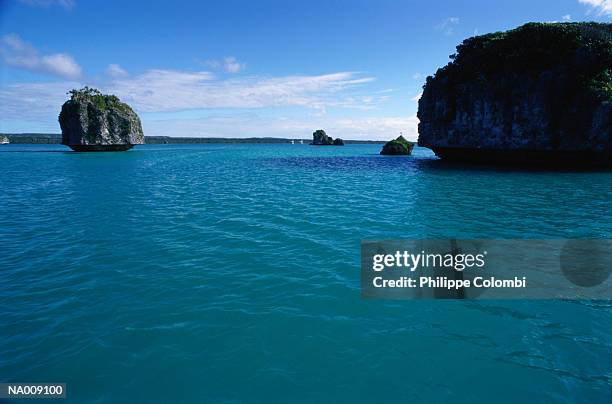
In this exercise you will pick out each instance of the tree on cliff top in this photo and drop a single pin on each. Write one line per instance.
(584, 49)
(101, 101)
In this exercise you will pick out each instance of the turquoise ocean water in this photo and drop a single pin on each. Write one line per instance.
(230, 273)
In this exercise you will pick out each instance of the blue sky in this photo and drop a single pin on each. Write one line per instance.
(247, 68)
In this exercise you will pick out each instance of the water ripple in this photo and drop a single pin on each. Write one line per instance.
(228, 271)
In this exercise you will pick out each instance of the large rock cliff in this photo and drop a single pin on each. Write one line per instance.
(538, 93)
(91, 121)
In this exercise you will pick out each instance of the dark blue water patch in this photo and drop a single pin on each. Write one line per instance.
(339, 163)
(420, 163)
(440, 164)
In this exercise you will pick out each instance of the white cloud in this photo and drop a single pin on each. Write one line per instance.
(211, 63)
(165, 97)
(115, 70)
(17, 53)
(601, 7)
(61, 65)
(255, 125)
(171, 90)
(566, 17)
(34, 101)
(37, 105)
(67, 4)
(417, 97)
(231, 65)
(448, 25)
(379, 128)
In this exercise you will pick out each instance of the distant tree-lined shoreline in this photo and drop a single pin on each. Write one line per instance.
(56, 138)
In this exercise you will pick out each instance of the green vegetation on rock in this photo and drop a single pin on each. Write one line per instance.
(584, 49)
(399, 146)
(103, 102)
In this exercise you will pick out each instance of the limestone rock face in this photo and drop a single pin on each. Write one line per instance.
(320, 138)
(397, 147)
(538, 93)
(91, 121)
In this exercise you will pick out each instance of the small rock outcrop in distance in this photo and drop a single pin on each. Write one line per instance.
(4, 139)
(320, 138)
(397, 147)
(92, 121)
(537, 94)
